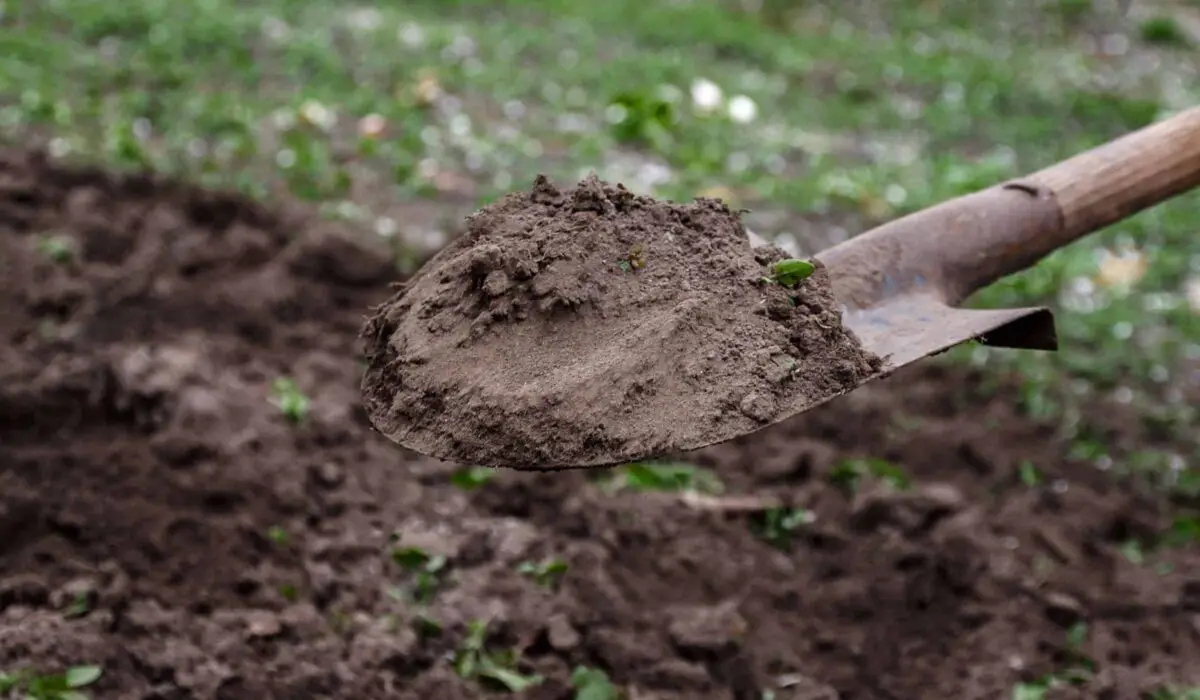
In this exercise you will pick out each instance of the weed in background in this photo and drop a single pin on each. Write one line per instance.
(428, 572)
(849, 474)
(662, 476)
(473, 661)
(291, 402)
(54, 686)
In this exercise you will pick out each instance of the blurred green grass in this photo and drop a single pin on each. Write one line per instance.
(830, 118)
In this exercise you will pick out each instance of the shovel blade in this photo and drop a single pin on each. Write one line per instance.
(913, 324)
(907, 328)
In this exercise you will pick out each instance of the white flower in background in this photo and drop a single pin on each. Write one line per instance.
(411, 35)
(385, 227)
(706, 95)
(742, 109)
(283, 119)
(60, 148)
(365, 19)
(275, 29)
(318, 115)
(1191, 290)
(1121, 270)
(371, 126)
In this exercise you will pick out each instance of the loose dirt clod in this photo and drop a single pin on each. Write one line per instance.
(594, 326)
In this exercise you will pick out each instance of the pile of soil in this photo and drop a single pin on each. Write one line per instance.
(162, 518)
(595, 327)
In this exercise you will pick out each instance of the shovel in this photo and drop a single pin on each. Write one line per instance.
(899, 284)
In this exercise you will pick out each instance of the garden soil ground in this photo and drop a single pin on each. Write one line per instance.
(161, 518)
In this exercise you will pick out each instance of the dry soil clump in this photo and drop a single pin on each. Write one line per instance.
(595, 326)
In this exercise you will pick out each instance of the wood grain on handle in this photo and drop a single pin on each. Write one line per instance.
(1114, 181)
(966, 243)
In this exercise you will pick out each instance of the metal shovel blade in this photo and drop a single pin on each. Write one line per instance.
(909, 328)
(910, 322)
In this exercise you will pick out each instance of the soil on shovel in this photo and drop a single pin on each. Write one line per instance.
(168, 516)
(593, 326)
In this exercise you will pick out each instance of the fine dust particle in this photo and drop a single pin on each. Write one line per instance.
(593, 326)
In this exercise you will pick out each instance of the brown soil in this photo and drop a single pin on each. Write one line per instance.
(596, 327)
(161, 518)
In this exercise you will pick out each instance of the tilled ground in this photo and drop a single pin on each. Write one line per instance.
(161, 518)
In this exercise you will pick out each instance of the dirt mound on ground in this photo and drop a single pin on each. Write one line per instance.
(595, 326)
(162, 517)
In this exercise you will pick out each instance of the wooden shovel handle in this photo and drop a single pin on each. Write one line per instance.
(957, 247)
(1119, 179)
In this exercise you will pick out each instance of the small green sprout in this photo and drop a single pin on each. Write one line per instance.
(1036, 690)
(665, 476)
(57, 686)
(289, 399)
(1081, 665)
(278, 535)
(471, 478)
(790, 272)
(426, 626)
(849, 473)
(80, 606)
(593, 684)
(473, 661)
(545, 573)
(1132, 549)
(428, 571)
(1030, 475)
(56, 248)
(289, 592)
(779, 524)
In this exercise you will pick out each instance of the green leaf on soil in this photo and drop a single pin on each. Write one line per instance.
(1032, 691)
(849, 473)
(8, 681)
(473, 661)
(545, 573)
(779, 524)
(515, 681)
(1031, 476)
(1185, 530)
(1132, 549)
(593, 684)
(665, 476)
(56, 248)
(410, 558)
(81, 676)
(471, 478)
(792, 271)
(289, 399)
(278, 535)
